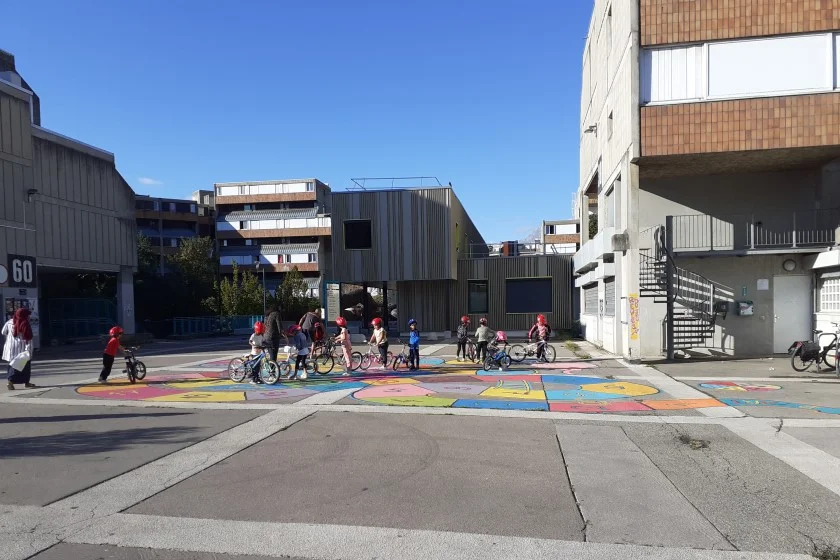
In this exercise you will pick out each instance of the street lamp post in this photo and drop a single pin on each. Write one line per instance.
(259, 267)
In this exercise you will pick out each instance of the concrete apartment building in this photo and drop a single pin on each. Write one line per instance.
(709, 146)
(64, 210)
(560, 236)
(167, 221)
(273, 226)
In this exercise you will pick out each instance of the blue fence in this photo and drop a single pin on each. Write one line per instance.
(73, 318)
(202, 326)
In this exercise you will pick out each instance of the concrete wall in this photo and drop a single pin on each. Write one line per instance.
(735, 335)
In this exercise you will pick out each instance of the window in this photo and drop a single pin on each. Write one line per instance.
(243, 189)
(357, 234)
(829, 294)
(224, 243)
(608, 29)
(173, 242)
(527, 295)
(249, 242)
(243, 225)
(477, 297)
(193, 208)
(248, 207)
(313, 257)
(172, 207)
(609, 207)
(549, 229)
(609, 297)
(157, 205)
(590, 299)
(310, 186)
(609, 125)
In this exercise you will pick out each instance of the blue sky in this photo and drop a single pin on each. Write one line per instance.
(484, 94)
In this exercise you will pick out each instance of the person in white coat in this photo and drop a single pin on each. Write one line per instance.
(18, 333)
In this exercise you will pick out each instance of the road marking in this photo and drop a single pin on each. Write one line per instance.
(326, 397)
(814, 463)
(334, 542)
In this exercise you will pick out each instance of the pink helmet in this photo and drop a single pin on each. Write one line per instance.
(501, 336)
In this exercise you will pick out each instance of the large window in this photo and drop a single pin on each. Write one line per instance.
(829, 294)
(590, 299)
(357, 234)
(609, 297)
(527, 295)
(478, 296)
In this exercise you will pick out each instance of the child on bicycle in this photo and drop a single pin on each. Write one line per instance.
(379, 338)
(301, 342)
(343, 338)
(541, 331)
(483, 337)
(462, 334)
(257, 341)
(413, 346)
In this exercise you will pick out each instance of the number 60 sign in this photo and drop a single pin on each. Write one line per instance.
(21, 271)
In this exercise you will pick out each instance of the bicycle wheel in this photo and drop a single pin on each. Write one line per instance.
(365, 362)
(389, 358)
(488, 364)
(471, 352)
(837, 367)
(517, 353)
(324, 364)
(237, 370)
(396, 362)
(270, 372)
(131, 377)
(139, 370)
(284, 370)
(504, 363)
(797, 363)
(550, 354)
(310, 366)
(355, 361)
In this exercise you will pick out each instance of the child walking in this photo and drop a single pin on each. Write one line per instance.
(110, 353)
(301, 342)
(462, 334)
(343, 338)
(413, 346)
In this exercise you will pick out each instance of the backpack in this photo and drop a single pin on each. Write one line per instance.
(318, 332)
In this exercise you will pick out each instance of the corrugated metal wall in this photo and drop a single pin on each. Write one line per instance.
(498, 269)
(401, 250)
(427, 301)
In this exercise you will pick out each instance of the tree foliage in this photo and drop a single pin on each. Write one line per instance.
(241, 294)
(593, 225)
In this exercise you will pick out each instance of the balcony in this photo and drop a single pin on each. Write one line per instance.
(274, 223)
(265, 192)
(602, 270)
(761, 232)
(593, 251)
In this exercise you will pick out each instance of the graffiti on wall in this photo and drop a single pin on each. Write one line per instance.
(633, 302)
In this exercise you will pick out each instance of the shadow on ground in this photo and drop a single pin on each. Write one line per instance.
(77, 417)
(90, 443)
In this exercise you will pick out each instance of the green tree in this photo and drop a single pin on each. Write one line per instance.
(291, 295)
(239, 294)
(593, 225)
(147, 260)
(195, 267)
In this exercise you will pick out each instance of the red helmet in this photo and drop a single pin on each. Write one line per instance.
(293, 330)
(259, 328)
(341, 322)
(541, 319)
(465, 319)
(116, 331)
(482, 321)
(377, 322)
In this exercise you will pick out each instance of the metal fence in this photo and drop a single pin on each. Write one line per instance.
(205, 326)
(702, 232)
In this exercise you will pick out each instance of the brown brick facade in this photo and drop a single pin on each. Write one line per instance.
(274, 197)
(686, 21)
(302, 267)
(563, 238)
(748, 124)
(267, 233)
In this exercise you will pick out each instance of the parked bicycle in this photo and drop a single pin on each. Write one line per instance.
(135, 369)
(286, 368)
(804, 353)
(239, 368)
(372, 357)
(329, 352)
(518, 352)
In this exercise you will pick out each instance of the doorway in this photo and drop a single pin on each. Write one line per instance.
(791, 311)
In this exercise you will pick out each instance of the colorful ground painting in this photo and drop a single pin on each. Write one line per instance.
(559, 386)
(732, 386)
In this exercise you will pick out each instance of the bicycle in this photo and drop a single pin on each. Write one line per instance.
(402, 357)
(518, 353)
(285, 366)
(803, 353)
(135, 369)
(325, 357)
(498, 358)
(471, 350)
(372, 357)
(239, 368)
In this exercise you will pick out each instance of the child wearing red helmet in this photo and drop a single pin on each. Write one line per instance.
(541, 331)
(380, 339)
(257, 342)
(462, 334)
(110, 353)
(343, 338)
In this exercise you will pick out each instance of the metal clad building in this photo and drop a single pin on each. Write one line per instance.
(64, 207)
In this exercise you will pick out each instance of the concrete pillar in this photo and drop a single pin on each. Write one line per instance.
(125, 299)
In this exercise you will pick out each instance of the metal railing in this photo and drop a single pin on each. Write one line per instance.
(200, 326)
(804, 228)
